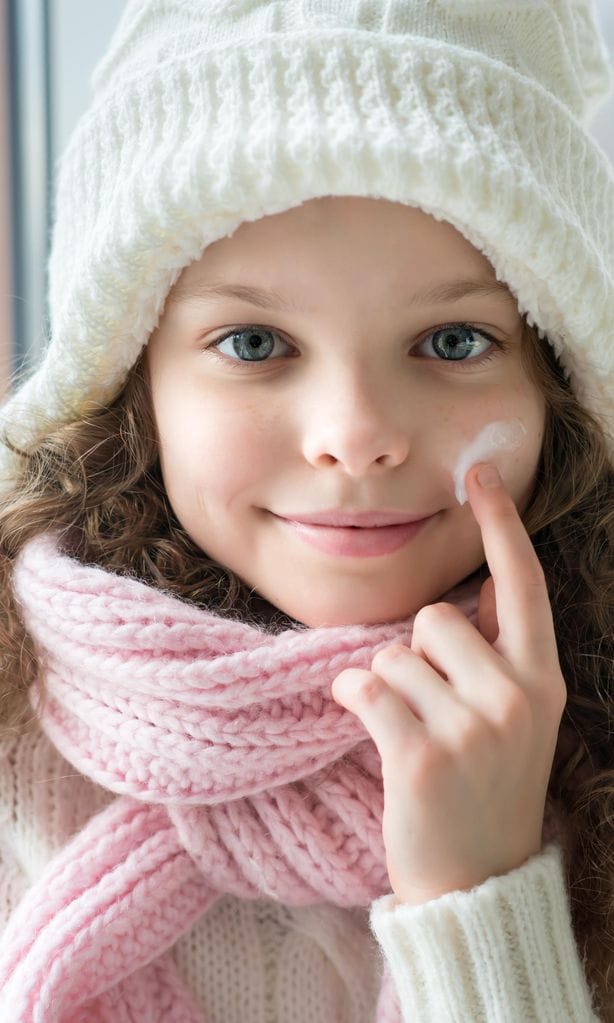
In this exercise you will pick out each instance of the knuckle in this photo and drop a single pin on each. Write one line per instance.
(431, 761)
(560, 696)
(469, 730)
(387, 655)
(515, 714)
(505, 514)
(433, 614)
(371, 688)
(533, 576)
(553, 696)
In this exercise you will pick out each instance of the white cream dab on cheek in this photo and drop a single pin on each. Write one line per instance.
(500, 436)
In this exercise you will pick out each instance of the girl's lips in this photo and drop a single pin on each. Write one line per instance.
(355, 541)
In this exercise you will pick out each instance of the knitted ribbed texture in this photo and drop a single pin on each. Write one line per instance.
(452, 959)
(237, 770)
(244, 960)
(261, 961)
(209, 113)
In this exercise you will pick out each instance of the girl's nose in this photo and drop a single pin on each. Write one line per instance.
(356, 428)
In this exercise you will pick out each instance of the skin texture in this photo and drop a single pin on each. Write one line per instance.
(346, 412)
(356, 410)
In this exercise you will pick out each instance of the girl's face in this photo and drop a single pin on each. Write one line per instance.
(337, 390)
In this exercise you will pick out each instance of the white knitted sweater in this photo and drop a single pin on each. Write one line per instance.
(502, 953)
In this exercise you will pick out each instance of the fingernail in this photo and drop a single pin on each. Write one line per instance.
(488, 476)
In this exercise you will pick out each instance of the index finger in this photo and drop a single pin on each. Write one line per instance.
(526, 626)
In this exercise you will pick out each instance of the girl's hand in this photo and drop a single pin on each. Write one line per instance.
(466, 721)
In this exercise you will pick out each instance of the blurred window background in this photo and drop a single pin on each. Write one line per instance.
(48, 49)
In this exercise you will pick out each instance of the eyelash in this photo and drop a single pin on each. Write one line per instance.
(242, 364)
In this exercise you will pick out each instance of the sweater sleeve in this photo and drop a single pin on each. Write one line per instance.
(504, 951)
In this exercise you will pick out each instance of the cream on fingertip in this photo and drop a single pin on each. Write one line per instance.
(493, 441)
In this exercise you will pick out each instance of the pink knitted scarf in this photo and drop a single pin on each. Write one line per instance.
(236, 773)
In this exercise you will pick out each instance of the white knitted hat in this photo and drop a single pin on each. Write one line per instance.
(207, 113)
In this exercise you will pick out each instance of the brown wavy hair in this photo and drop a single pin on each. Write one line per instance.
(98, 483)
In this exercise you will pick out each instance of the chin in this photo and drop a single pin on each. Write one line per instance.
(318, 617)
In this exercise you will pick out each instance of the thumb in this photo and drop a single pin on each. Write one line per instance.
(487, 612)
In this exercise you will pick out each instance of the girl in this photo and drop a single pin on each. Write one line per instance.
(307, 709)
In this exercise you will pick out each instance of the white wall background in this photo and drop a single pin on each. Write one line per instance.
(80, 33)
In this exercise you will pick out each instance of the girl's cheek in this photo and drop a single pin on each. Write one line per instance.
(495, 442)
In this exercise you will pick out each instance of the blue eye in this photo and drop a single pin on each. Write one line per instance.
(255, 344)
(454, 342)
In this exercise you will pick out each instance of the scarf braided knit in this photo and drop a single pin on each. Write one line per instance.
(236, 773)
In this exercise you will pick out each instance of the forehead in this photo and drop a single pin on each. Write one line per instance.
(340, 241)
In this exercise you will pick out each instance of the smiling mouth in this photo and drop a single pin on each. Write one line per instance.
(355, 541)
(340, 517)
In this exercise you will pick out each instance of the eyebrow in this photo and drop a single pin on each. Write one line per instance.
(442, 291)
